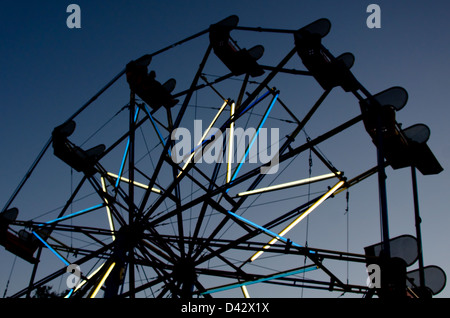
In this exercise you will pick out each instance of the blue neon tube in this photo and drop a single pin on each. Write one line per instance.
(269, 232)
(51, 249)
(294, 272)
(126, 153)
(254, 103)
(231, 119)
(74, 214)
(156, 127)
(70, 293)
(254, 138)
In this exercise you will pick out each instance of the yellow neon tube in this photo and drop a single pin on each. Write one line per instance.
(299, 218)
(102, 281)
(289, 184)
(245, 291)
(108, 211)
(138, 184)
(230, 145)
(205, 134)
(88, 278)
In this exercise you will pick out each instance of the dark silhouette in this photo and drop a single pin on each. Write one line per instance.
(146, 86)
(239, 61)
(77, 158)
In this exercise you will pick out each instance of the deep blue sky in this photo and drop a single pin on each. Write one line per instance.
(48, 71)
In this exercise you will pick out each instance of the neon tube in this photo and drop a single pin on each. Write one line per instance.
(299, 218)
(204, 136)
(269, 232)
(254, 137)
(88, 278)
(69, 294)
(74, 214)
(260, 280)
(126, 152)
(156, 127)
(108, 211)
(52, 249)
(288, 184)
(230, 144)
(245, 291)
(254, 103)
(137, 184)
(102, 281)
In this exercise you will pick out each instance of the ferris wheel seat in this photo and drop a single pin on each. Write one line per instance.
(419, 153)
(327, 70)
(401, 147)
(17, 246)
(148, 88)
(8, 216)
(242, 61)
(21, 245)
(77, 158)
(239, 61)
(394, 143)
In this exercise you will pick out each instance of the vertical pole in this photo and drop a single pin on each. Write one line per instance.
(131, 190)
(418, 220)
(33, 274)
(381, 171)
(382, 187)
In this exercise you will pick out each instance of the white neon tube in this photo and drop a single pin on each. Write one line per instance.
(230, 144)
(204, 135)
(108, 211)
(137, 184)
(288, 184)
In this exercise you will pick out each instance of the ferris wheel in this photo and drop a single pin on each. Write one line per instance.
(169, 198)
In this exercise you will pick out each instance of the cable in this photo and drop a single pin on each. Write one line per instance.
(347, 196)
(9, 277)
(103, 126)
(310, 161)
